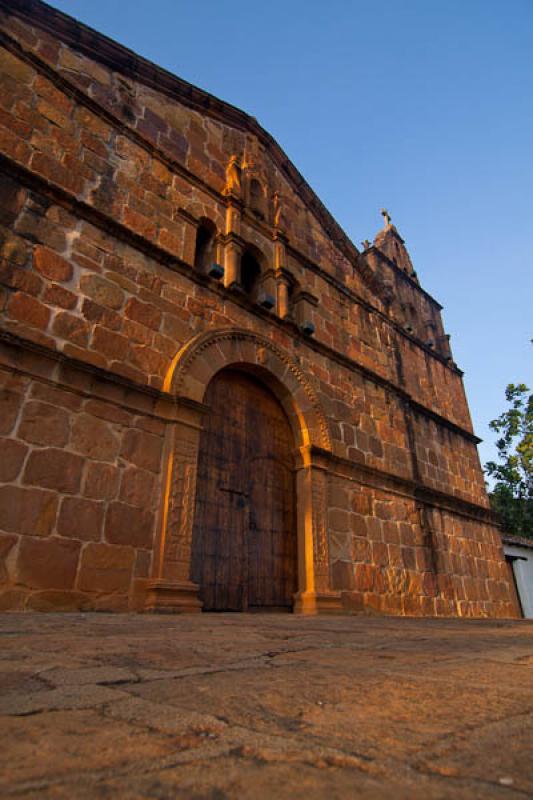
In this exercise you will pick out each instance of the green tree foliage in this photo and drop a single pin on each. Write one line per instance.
(512, 495)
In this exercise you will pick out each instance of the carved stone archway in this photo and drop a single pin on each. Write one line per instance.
(187, 379)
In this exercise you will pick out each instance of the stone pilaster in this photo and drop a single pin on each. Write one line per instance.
(190, 227)
(283, 282)
(170, 587)
(280, 252)
(231, 245)
(232, 263)
(314, 595)
(304, 306)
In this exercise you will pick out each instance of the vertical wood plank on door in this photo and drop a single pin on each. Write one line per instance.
(244, 542)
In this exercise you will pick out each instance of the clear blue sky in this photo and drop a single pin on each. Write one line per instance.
(422, 106)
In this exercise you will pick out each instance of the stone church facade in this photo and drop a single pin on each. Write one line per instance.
(209, 397)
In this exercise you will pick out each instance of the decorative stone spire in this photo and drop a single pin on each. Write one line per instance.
(386, 216)
(391, 244)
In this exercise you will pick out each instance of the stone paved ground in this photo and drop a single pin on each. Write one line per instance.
(270, 706)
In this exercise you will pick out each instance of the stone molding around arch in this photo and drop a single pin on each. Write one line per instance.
(197, 362)
(188, 376)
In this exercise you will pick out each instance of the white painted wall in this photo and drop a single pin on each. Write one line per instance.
(523, 571)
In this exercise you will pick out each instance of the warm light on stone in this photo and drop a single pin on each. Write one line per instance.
(144, 235)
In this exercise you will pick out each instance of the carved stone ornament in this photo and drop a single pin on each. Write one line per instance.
(210, 351)
(233, 177)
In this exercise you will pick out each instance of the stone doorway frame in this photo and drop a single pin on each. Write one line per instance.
(170, 588)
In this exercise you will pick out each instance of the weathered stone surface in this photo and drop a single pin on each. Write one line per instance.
(56, 396)
(51, 265)
(342, 575)
(58, 296)
(101, 291)
(101, 481)
(12, 454)
(57, 600)
(109, 412)
(111, 344)
(15, 67)
(27, 309)
(339, 520)
(80, 519)
(143, 563)
(143, 313)
(44, 424)
(88, 676)
(361, 503)
(29, 511)
(13, 196)
(129, 526)
(13, 600)
(54, 469)
(47, 563)
(7, 543)
(10, 403)
(106, 568)
(138, 488)
(76, 697)
(72, 328)
(142, 449)
(94, 438)
(106, 299)
(253, 706)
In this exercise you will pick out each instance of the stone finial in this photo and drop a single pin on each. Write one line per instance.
(386, 216)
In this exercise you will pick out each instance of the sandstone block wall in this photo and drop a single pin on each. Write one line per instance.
(107, 171)
(79, 487)
(389, 554)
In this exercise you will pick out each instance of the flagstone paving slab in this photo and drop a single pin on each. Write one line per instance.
(228, 706)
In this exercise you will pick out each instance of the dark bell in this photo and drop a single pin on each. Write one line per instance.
(266, 301)
(216, 271)
(307, 328)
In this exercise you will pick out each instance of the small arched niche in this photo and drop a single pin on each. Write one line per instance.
(204, 254)
(293, 287)
(257, 198)
(252, 266)
(410, 318)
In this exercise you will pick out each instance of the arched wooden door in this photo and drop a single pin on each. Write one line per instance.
(244, 540)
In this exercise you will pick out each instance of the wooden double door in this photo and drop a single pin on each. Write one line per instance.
(244, 554)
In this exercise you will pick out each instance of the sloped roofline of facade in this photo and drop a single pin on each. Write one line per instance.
(121, 59)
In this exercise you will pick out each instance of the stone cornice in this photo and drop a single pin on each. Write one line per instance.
(86, 380)
(64, 85)
(119, 58)
(89, 381)
(355, 298)
(386, 481)
(100, 220)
